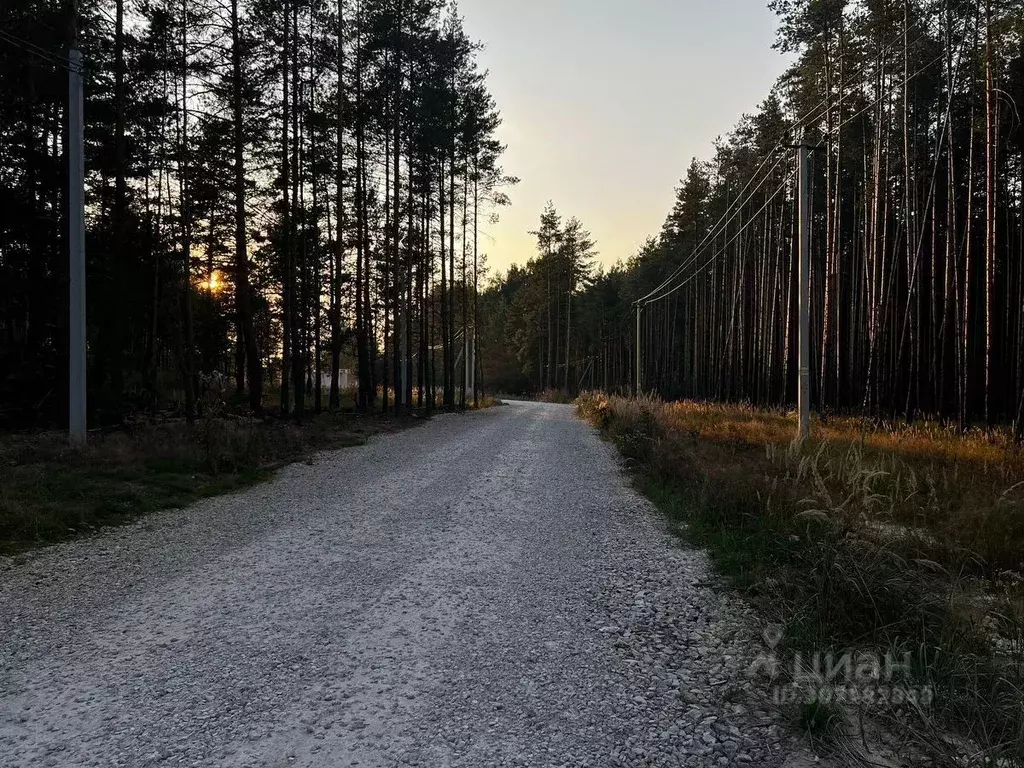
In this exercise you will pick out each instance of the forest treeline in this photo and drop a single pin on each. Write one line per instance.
(915, 108)
(275, 190)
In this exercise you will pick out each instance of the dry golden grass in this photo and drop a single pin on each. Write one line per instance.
(966, 490)
(924, 440)
(868, 535)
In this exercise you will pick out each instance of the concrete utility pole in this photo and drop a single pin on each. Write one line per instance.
(76, 247)
(467, 354)
(639, 359)
(472, 368)
(402, 373)
(804, 292)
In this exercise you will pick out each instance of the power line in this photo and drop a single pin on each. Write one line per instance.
(713, 231)
(811, 116)
(881, 98)
(733, 239)
(106, 14)
(708, 240)
(47, 56)
(854, 79)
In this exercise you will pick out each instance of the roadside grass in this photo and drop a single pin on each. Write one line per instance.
(49, 492)
(868, 539)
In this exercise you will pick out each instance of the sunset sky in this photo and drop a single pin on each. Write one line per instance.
(605, 102)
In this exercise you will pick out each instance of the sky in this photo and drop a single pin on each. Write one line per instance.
(605, 102)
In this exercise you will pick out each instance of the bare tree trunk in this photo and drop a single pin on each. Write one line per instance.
(298, 362)
(243, 299)
(386, 287)
(287, 286)
(399, 289)
(445, 337)
(548, 378)
(949, 303)
(465, 283)
(121, 246)
(188, 353)
(339, 245)
(317, 266)
(476, 275)
(364, 325)
(965, 321)
(450, 394)
(990, 214)
(910, 219)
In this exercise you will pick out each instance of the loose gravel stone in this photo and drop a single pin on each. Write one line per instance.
(487, 590)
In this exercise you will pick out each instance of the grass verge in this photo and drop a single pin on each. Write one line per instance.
(49, 493)
(888, 559)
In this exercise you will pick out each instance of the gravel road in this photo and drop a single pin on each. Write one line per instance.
(486, 590)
